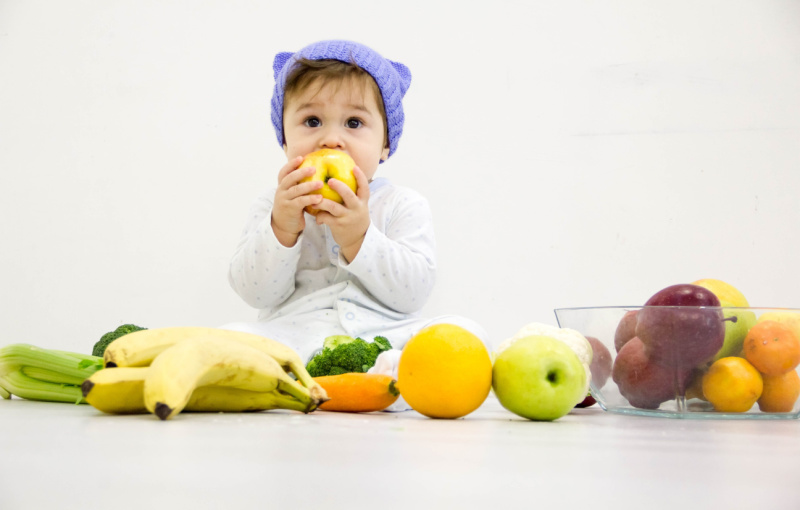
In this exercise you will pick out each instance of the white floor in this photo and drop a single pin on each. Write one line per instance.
(64, 456)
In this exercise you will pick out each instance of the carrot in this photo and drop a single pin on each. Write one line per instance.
(358, 393)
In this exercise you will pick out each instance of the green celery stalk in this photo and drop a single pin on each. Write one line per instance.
(35, 373)
(29, 388)
(46, 375)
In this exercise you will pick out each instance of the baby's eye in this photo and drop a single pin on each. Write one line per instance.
(312, 122)
(353, 123)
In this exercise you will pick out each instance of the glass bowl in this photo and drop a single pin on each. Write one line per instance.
(661, 373)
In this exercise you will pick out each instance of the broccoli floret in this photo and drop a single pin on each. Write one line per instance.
(342, 354)
(383, 342)
(336, 340)
(100, 347)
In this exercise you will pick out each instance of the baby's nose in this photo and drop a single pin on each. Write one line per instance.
(332, 139)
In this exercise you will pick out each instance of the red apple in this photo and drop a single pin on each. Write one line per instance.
(626, 329)
(643, 383)
(681, 326)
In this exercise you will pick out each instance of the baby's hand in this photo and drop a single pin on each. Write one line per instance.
(291, 198)
(348, 221)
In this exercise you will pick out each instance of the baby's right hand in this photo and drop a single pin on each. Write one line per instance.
(291, 198)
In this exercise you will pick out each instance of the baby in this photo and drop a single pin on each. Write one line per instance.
(364, 267)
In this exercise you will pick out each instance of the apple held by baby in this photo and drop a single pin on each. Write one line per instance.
(329, 164)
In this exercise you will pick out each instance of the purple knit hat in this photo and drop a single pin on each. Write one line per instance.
(393, 79)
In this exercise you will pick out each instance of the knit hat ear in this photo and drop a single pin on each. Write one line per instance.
(279, 62)
(405, 75)
(393, 79)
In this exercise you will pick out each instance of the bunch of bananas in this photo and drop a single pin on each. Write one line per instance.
(165, 371)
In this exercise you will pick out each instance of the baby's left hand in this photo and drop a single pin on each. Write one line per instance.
(348, 221)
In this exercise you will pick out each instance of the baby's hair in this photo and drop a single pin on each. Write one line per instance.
(306, 73)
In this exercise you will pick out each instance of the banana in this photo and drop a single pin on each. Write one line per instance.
(140, 348)
(193, 363)
(226, 399)
(121, 391)
(116, 390)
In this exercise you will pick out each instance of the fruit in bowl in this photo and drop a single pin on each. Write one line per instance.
(738, 322)
(329, 164)
(600, 368)
(695, 350)
(643, 382)
(681, 326)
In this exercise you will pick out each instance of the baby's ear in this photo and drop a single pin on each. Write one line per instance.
(385, 153)
(279, 62)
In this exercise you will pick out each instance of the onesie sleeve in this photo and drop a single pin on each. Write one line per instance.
(397, 260)
(262, 270)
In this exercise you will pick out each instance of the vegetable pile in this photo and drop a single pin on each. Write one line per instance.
(343, 354)
(52, 375)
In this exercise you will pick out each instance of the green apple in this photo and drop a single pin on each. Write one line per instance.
(539, 378)
(737, 322)
(329, 163)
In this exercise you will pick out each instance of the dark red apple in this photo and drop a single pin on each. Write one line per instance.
(677, 329)
(600, 368)
(643, 383)
(601, 362)
(626, 329)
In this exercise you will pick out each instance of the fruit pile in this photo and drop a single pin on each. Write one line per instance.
(700, 341)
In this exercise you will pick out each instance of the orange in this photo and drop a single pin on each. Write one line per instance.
(780, 392)
(789, 317)
(445, 372)
(772, 347)
(732, 385)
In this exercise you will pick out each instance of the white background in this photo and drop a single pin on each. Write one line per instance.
(575, 153)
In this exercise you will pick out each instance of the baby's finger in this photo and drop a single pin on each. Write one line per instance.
(289, 167)
(342, 189)
(363, 184)
(330, 209)
(303, 188)
(305, 201)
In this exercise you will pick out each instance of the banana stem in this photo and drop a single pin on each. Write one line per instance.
(291, 403)
(295, 389)
(317, 392)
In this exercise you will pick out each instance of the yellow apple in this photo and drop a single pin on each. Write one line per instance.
(724, 291)
(329, 163)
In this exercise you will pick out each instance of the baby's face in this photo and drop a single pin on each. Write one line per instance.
(343, 116)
